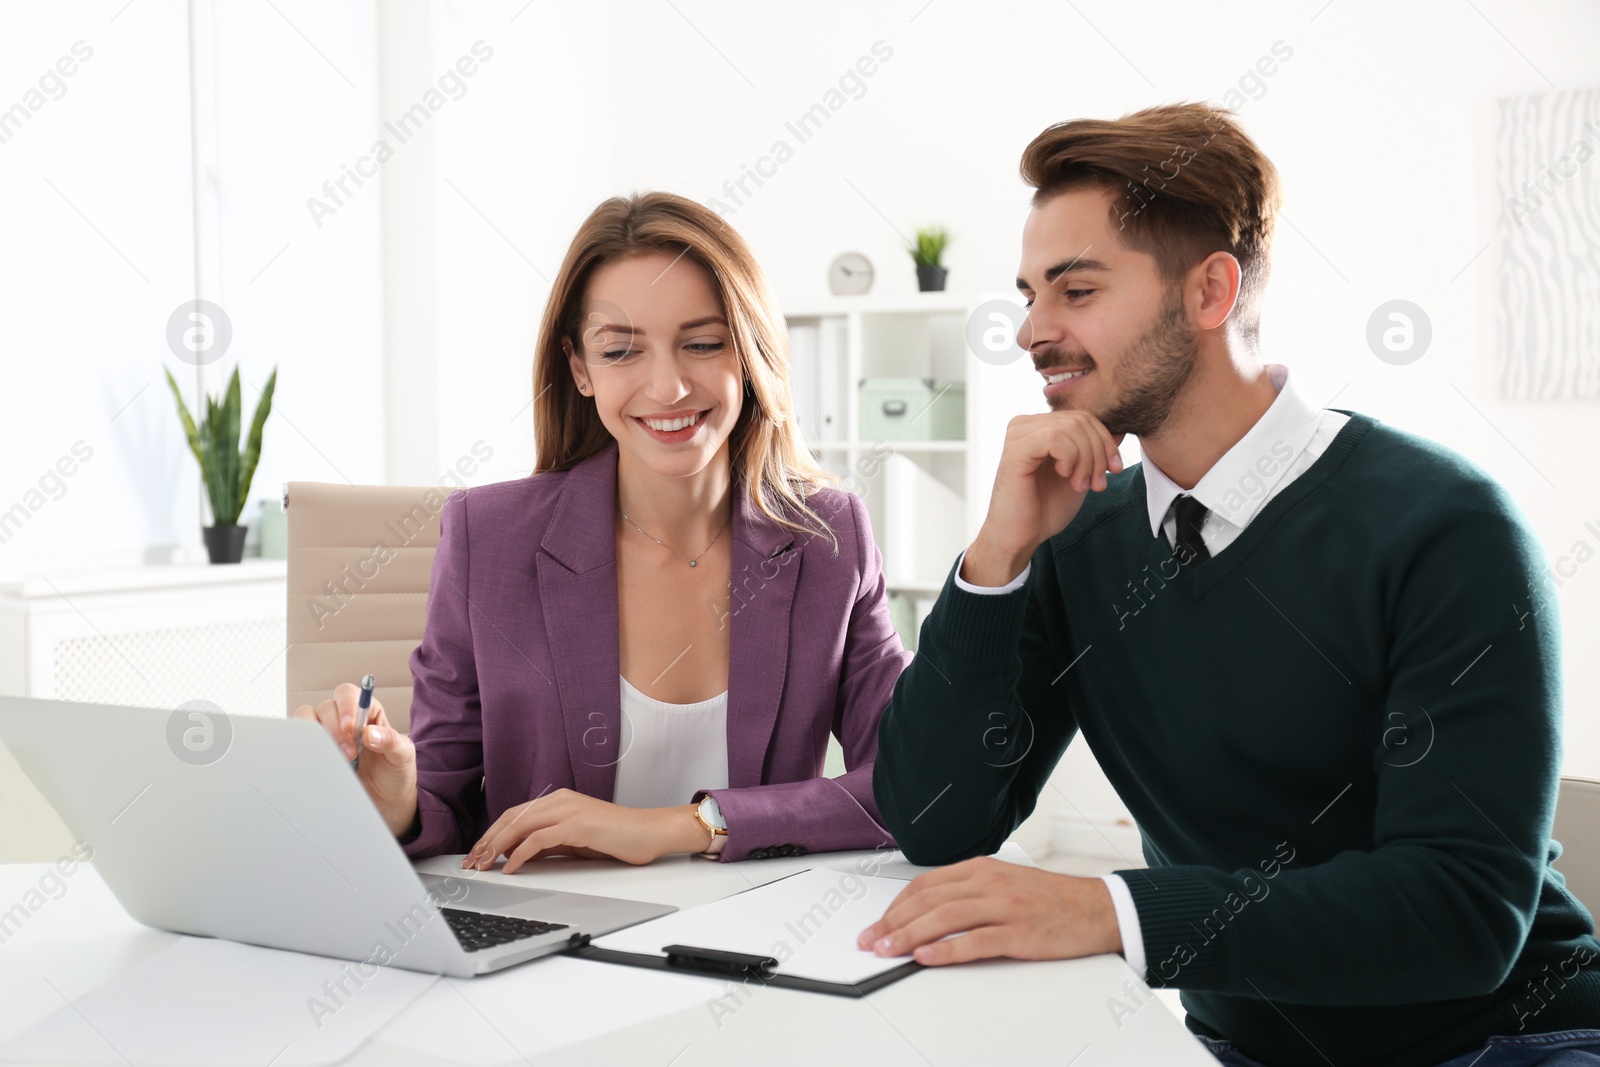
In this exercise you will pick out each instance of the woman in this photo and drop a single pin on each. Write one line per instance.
(643, 648)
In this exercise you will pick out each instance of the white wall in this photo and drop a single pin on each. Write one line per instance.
(520, 163)
(295, 106)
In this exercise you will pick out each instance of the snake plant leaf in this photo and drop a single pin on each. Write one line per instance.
(252, 448)
(189, 430)
(227, 509)
(208, 449)
(217, 487)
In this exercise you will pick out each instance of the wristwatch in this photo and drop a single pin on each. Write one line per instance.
(709, 815)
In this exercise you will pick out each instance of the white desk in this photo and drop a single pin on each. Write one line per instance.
(990, 1012)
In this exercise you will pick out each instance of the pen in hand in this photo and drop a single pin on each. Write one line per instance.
(364, 706)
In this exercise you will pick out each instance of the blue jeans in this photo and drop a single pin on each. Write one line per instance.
(1559, 1048)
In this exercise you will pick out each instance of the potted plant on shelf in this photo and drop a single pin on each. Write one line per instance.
(929, 255)
(225, 469)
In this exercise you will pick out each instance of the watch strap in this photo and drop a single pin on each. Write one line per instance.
(719, 834)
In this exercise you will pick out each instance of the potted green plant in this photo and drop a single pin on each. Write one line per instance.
(225, 469)
(929, 255)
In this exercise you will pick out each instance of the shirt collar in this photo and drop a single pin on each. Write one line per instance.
(1238, 484)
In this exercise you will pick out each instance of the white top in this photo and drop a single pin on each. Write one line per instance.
(1288, 438)
(669, 751)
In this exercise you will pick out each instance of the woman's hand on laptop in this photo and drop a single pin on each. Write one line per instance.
(568, 823)
(388, 769)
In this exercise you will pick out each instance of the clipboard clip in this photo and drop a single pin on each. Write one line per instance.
(719, 961)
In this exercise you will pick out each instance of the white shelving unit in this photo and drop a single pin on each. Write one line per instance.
(924, 336)
(926, 498)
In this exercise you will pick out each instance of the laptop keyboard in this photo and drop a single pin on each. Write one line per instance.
(477, 931)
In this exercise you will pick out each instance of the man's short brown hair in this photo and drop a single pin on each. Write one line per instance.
(1187, 182)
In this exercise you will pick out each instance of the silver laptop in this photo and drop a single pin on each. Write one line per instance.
(256, 830)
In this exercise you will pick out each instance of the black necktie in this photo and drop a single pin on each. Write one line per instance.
(1190, 515)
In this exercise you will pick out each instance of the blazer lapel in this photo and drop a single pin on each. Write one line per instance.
(766, 569)
(577, 572)
(578, 591)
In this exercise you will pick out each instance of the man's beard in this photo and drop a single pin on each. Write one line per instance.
(1155, 369)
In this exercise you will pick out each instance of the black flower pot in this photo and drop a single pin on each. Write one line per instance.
(930, 279)
(224, 544)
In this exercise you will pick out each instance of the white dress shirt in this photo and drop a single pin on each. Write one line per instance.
(669, 751)
(1288, 438)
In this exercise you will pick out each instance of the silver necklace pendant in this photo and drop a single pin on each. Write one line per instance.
(692, 562)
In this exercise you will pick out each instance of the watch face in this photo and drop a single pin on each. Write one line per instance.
(850, 274)
(711, 812)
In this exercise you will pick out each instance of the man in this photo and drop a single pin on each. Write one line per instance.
(1308, 650)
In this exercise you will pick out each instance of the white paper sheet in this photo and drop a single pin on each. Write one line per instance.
(537, 1006)
(219, 1003)
(900, 867)
(808, 921)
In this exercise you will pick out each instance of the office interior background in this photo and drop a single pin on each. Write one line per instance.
(1441, 154)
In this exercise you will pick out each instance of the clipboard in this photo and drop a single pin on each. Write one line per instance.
(760, 968)
(744, 967)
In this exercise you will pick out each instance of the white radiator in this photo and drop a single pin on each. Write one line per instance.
(156, 636)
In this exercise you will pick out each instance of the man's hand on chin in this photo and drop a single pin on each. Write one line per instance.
(1005, 910)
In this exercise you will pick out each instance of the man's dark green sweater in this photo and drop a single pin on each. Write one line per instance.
(1340, 738)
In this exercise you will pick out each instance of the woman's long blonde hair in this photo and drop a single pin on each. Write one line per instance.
(765, 449)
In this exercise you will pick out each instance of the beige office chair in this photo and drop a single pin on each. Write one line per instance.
(359, 561)
(1578, 829)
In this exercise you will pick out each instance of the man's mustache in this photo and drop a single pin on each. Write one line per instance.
(1055, 356)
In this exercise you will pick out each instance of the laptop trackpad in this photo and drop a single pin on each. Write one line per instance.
(480, 896)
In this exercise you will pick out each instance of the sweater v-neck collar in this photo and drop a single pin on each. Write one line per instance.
(1288, 421)
(1197, 578)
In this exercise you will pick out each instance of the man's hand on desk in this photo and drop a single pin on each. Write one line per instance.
(1006, 910)
(569, 823)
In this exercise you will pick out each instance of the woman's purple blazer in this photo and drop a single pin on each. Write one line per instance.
(515, 687)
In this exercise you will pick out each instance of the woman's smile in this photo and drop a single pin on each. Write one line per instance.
(672, 427)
